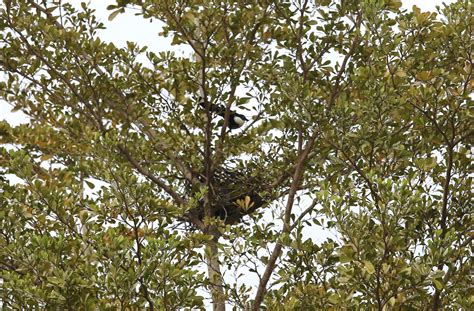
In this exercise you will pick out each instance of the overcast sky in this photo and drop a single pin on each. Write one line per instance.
(128, 27)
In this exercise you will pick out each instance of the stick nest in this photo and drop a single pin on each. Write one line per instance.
(235, 193)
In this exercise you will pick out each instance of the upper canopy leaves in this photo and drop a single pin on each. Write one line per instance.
(358, 116)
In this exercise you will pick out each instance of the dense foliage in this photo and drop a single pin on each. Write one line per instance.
(130, 195)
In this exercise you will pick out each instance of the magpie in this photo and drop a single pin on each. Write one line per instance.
(236, 119)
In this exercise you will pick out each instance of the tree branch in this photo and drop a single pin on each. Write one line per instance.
(297, 177)
(444, 217)
(178, 199)
(187, 171)
(303, 213)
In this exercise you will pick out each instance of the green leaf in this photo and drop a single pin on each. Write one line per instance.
(91, 185)
(334, 299)
(438, 284)
(394, 5)
(115, 13)
(369, 267)
(424, 75)
(46, 157)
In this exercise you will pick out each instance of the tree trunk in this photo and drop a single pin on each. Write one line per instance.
(215, 276)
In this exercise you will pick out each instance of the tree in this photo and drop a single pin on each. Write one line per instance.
(360, 124)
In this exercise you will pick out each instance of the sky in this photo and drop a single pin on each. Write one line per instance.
(128, 27)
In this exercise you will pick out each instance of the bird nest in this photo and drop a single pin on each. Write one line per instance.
(234, 195)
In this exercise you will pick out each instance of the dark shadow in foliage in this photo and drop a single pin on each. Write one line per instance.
(229, 187)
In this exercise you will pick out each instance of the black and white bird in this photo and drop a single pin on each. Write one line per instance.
(236, 120)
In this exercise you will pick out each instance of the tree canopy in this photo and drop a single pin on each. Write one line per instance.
(132, 195)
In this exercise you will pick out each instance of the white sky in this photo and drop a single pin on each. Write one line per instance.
(128, 27)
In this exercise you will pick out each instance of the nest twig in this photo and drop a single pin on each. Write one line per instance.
(236, 194)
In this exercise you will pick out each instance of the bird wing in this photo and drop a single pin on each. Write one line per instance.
(217, 109)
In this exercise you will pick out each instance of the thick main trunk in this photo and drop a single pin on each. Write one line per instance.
(215, 276)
